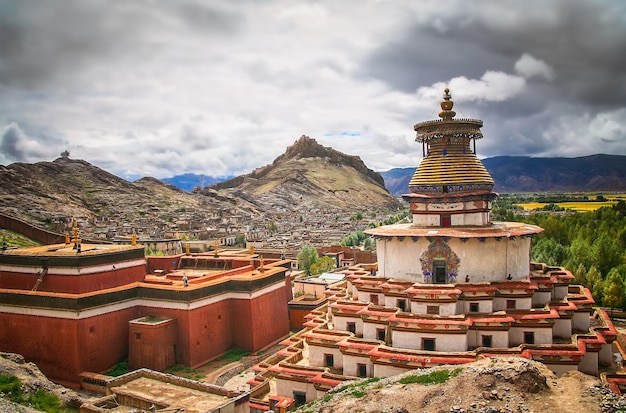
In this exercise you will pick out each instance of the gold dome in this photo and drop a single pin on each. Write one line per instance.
(450, 165)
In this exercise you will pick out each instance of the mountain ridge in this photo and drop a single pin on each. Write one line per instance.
(50, 194)
(599, 172)
(338, 181)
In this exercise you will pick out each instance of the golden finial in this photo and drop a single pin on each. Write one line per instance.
(446, 106)
(76, 239)
(133, 239)
(216, 253)
(186, 249)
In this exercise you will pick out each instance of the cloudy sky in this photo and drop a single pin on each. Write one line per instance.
(160, 88)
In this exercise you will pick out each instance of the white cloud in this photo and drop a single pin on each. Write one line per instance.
(493, 86)
(529, 67)
(217, 88)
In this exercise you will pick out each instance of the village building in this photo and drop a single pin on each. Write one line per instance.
(79, 307)
(450, 287)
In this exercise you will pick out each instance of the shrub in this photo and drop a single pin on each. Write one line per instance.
(435, 377)
(118, 370)
(11, 388)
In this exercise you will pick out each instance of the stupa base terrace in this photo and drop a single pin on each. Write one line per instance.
(374, 326)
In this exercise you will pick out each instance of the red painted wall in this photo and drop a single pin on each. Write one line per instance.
(64, 348)
(262, 321)
(74, 284)
(152, 345)
(203, 334)
(167, 264)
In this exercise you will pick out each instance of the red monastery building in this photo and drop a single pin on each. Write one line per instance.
(73, 308)
(451, 287)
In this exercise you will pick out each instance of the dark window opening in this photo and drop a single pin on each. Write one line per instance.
(380, 334)
(351, 327)
(402, 305)
(361, 370)
(299, 397)
(329, 360)
(374, 299)
(473, 307)
(529, 337)
(428, 344)
(137, 335)
(432, 309)
(510, 304)
(487, 341)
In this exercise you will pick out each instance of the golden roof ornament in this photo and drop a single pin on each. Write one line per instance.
(446, 105)
(450, 164)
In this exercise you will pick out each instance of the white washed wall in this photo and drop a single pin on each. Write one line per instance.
(285, 388)
(317, 356)
(443, 342)
(491, 260)
(542, 335)
(350, 365)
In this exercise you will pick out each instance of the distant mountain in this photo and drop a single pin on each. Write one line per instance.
(397, 180)
(311, 176)
(190, 181)
(526, 174)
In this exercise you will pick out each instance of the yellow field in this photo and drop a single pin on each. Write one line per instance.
(575, 206)
(611, 199)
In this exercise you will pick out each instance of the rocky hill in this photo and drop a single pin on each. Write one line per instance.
(43, 191)
(525, 174)
(491, 385)
(306, 178)
(310, 176)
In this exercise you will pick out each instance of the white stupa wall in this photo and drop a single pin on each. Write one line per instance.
(488, 260)
(457, 220)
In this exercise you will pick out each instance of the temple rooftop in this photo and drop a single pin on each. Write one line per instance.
(497, 229)
(61, 250)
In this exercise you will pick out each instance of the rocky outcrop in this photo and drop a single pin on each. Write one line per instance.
(507, 384)
(311, 176)
(32, 379)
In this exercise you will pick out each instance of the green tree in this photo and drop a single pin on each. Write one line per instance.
(549, 251)
(306, 258)
(323, 264)
(241, 240)
(580, 275)
(272, 227)
(554, 227)
(595, 284)
(579, 253)
(613, 292)
(369, 244)
(606, 253)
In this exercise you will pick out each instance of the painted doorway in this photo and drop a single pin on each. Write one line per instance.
(439, 272)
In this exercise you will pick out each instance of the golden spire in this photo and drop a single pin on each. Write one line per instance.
(76, 239)
(446, 106)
